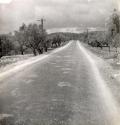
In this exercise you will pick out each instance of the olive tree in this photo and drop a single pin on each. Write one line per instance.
(35, 38)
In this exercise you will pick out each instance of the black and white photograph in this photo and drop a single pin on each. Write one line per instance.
(59, 62)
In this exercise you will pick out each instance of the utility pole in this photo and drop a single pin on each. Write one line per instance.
(105, 30)
(87, 35)
(1, 52)
(42, 20)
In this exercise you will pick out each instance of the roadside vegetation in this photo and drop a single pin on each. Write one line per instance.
(106, 43)
(29, 40)
(32, 39)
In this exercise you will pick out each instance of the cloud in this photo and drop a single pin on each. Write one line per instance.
(5, 1)
(58, 13)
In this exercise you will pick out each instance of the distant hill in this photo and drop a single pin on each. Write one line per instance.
(92, 35)
(96, 35)
(69, 36)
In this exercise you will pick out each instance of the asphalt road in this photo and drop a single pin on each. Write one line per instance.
(58, 90)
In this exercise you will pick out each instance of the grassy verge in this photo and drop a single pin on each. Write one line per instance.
(9, 60)
(109, 69)
(6, 60)
(110, 57)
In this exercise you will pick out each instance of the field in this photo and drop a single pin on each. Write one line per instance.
(111, 58)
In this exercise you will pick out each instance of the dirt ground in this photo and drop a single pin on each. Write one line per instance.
(110, 69)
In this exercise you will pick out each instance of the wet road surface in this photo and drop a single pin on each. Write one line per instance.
(59, 90)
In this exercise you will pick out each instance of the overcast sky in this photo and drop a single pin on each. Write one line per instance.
(58, 13)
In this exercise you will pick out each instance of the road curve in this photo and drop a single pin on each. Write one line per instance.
(63, 89)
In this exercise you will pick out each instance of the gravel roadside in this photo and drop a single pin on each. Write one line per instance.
(108, 69)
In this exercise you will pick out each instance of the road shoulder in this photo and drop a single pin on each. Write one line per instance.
(12, 68)
(108, 73)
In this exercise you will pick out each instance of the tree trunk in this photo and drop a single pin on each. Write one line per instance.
(40, 51)
(109, 49)
(22, 53)
(116, 50)
(34, 52)
(1, 52)
(46, 49)
(22, 50)
(1, 55)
